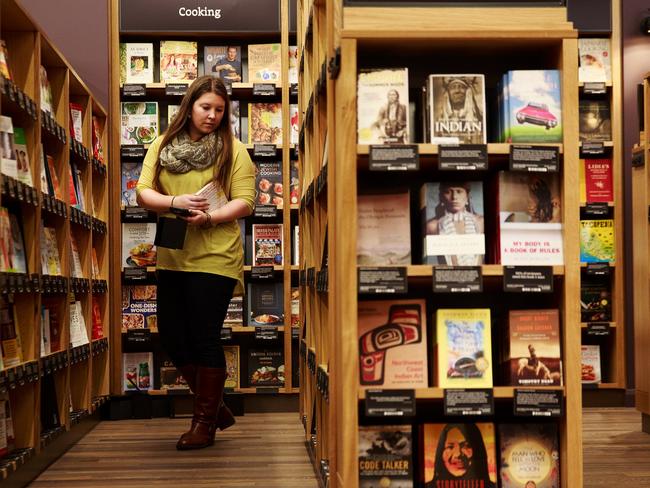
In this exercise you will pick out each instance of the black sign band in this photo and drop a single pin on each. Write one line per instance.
(545, 159)
(538, 403)
(465, 402)
(457, 279)
(463, 157)
(394, 158)
(528, 279)
(390, 403)
(392, 280)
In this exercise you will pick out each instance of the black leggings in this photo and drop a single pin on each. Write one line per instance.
(191, 310)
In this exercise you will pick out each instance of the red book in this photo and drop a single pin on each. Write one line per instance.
(98, 326)
(598, 180)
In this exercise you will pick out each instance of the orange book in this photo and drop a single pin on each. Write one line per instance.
(54, 178)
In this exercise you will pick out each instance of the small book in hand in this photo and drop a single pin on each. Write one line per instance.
(170, 233)
(214, 194)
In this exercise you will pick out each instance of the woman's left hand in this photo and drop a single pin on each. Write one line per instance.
(197, 218)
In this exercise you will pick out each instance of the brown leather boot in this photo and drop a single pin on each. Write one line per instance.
(225, 418)
(207, 398)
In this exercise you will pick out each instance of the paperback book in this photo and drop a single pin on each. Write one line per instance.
(137, 368)
(595, 121)
(78, 331)
(294, 122)
(97, 331)
(265, 123)
(265, 304)
(139, 122)
(50, 257)
(597, 241)
(232, 366)
(5, 69)
(171, 378)
(178, 61)
(76, 122)
(223, 62)
(137, 244)
(52, 178)
(265, 63)
(53, 311)
(386, 456)
(294, 185)
(8, 162)
(24, 172)
(12, 350)
(75, 261)
(235, 119)
(45, 90)
(590, 358)
(235, 313)
(130, 176)
(265, 367)
(268, 183)
(139, 62)
(595, 60)
(596, 181)
(295, 307)
(293, 65)
(16, 245)
(267, 244)
(139, 308)
(595, 301)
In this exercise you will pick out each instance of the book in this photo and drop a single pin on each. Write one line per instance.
(97, 331)
(76, 122)
(12, 350)
(295, 307)
(464, 348)
(595, 61)
(46, 347)
(293, 65)
(50, 257)
(294, 183)
(267, 243)
(265, 63)
(136, 371)
(98, 147)
(595, 121)
(178, 61)
(455, 108)
(265, 123)
(73, 189)
(224, 62)
(392, 344)
(94, 265)
(172, 110)
(214, 194)
(590, 360)
(232, 366)
(139, 307)
(45, 90)
(453, 227)
(383, 106)
(55, 187)
(139, 122)
(138, 248)
(534, 348)
(139, 62)
(6, 241)
(50, 418)
(295, 261)
(75, 263)
(385, 455)
(450, 462)
(235, 119)
(78, 331)
(171, 378)
(596, 181)
(23, 169)
(53, 309)
(45, 186)
(5, 69)
(597, 241)
(265, 367)
(595, 301)
(18, 261)
(235, 313)
(530, 455)
(4, 450)
(294, 122)
(8, 161)
(130, 176)
(530, 219)
(269, 188)
(265, 304)
(384, 229)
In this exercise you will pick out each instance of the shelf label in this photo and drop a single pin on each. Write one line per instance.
(295, 332)
(266, 211)
(398, 157)
(266, 333)
(528, 279)
(226, 334)
(593, 148)
(465, 402)
(376, 281)
(598, 329)
(132, 151)
(175, 89)
(463, 157)
(138, 336)
(262, 272)
(597, 209)
(293, 90)
(267, 389)
(544, 159)
(264, 89)
(265, 150)
(638, 157)
(594, 88)
(597, 269)
(390, 403)
(457, 279)
(135, 274)
(136, 213)
(538, 403)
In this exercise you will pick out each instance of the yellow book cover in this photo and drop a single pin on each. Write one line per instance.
(464, 348)
(178, 61)
(265, 123)
(597, 241)
(265, 63)
(232, 366)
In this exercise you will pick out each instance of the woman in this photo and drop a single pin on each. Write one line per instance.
(196, 283)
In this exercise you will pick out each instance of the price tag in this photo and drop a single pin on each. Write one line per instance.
(457, 279)
(394, 157)
(593, 148)
(135, 274)
(262, 272)
(463, 157)
(266, 211)
(375, 281)
(595, 88)
(390, 403)
(293, 90)
(264, 89)
(135, 213)
(266, 333)
(528, 279)
(265, 150)
(226, 334)
(544, 159)
(175, 89)
(597, 209)
(466, 402)
(598, 329)
(138, 336)
(597, 269)
(132, 151)
(134, 90)
(538, 403)
(295, 332)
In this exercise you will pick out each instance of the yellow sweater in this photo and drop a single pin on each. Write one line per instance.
(217, 250)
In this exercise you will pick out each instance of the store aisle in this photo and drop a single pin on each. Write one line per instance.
(261, 450)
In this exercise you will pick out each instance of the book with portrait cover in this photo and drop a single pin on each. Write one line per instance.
(235, 312)
(265, 63)
(76, 270)
(384, 229)
(595, 120)
(172, 110)
(136, 370)
(130, 176)
(53, 178)
(267, 245)
(530, 219)
(235, 119)
(269, 189)
(459, 455)
(383, 106)
(453, 227)
(464, 348)
(232, 366)
(595, 60)
(22, 156)
(534, 348)
(265, 123)
(139, 122)
(46, 90)
(6, 247)
(265, 304)
(50, 257)
(597, 241)
(455, 109)
(294, 123)
(596, 180)
(137, 244)
(178, 61)
(265, 367)
(16, 245)
(139, 308)
(392, 344)
(8, 162)
(294, 184)
(223, 62)
(53, 308)
(98, 148)
(595, 301)
(530, 455)
(386, 456)
(590, 361)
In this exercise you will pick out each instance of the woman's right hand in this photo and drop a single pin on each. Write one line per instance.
(192, 202)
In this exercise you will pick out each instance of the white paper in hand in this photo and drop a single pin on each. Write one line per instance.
(214, 194)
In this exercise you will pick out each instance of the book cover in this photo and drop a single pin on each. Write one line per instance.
(139, 308)
(223, 62)
(97, 331)
(534, 110)
(384, 229)
(590, 360)
(73, 189)
(137, 244)
(392, 344)
(4, 399)
(98, 148)
(595, 301)
(235, 119)
(295, 307)
(452, 223)
(46, 345)
(172, 110)
(386, 456)
(8, 162)
(464, 348)
(6, 245)
(265, 123)
(294, 183)
(5, 70)
(595, 120)
(597, 241)
(268, 183)
(383, 106)
(294, 123)
(178, 61)
(55, 187)
(46, 90)
(78, 331)
(53, 310)
(235, 312)
(136, 370)
(595, 60)
(265, 367)
(530, 219)
(76, 122)
(12, 350)
(293, 65)
(456, 108)
(598, 180)
(265, 304)
(45, 186)
(50, 257)
(139, 122)
(534, 348)
(267, 245)
(530, 455)
(296, 246)
(171, 378)
(214, 195)
(130, 176)
(459, 455)
(75, 262)
(22, 157)
(265, 63)
(139, 62)
(94, 265)
(232, 366)
(18, 262)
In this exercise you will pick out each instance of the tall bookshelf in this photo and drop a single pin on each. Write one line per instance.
(72, 382)
(275, 28)
(343, 39)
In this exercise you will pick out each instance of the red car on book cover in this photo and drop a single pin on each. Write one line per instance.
(538, 114)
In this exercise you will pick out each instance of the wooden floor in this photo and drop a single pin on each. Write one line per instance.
(267, 450)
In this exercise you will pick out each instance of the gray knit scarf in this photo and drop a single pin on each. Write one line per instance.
(182, 154)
